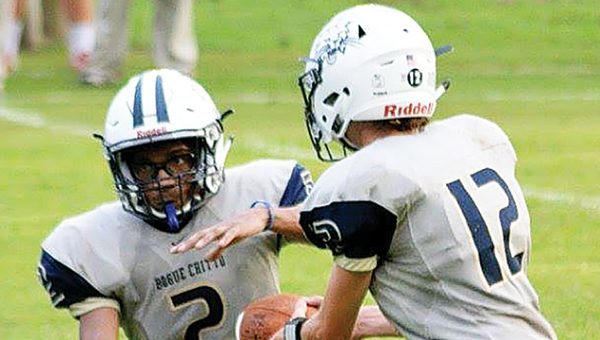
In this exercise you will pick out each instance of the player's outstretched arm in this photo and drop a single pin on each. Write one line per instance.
(249, 223)
(99, 324)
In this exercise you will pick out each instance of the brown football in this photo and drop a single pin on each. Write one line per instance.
(265, 316)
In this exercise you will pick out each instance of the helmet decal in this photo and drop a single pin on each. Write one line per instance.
(415, 77)
(161, 106)
(337, 41)
(138, 113)
(162, 115)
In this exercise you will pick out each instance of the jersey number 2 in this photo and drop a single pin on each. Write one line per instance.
(200, 294)
(479, 229)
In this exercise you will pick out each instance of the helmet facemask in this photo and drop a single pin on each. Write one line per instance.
(163, 140)
(323, 145)
(168, 207)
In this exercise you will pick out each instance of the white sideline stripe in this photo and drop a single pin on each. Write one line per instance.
(591, 203)
(271, 98)
(587, 267)
(37, 121)
(546, 97)
(280, 151)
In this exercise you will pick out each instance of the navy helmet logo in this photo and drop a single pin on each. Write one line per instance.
(162, 115)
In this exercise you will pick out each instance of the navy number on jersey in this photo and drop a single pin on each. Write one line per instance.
(479, 228)
(202, 294)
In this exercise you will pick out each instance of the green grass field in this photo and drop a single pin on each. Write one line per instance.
(532, 66)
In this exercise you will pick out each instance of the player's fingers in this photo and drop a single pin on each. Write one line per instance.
(214, 253)
(300, 308)
(193, 241)
(314, 301)
(229, 238)
(210, 235)
(182, 246)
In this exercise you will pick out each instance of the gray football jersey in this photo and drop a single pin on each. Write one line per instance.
(442, 221)
(108, 254)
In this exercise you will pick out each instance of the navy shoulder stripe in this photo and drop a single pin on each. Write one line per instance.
(298, 187)
(64, 285)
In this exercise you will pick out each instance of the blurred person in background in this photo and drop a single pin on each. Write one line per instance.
(5, 15)
(174, 42)
(80, 32)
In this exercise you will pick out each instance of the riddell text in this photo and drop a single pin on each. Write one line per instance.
(408, 110)
(151, 133)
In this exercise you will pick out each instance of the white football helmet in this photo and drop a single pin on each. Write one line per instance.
(369, 62)
(157, 106)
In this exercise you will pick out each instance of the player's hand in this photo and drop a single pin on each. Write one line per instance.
(301, 307)
(300, 310)
(225, 234)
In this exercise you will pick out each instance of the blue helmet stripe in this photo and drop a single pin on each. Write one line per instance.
(161, 106)
(138, 114)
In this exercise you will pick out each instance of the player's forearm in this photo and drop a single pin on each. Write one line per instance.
(371, 322)
(286, 221)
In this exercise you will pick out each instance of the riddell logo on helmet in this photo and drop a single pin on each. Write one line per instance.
(152, 132)
(411, 109)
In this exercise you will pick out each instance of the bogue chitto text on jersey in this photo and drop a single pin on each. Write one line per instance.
(188, 271)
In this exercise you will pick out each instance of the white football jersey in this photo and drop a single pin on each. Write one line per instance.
(108, 257)
(440, 218)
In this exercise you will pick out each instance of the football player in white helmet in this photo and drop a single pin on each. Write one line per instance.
(428, 217)
(164, 143)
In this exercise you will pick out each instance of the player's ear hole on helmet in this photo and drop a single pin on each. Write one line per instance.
(331, 99)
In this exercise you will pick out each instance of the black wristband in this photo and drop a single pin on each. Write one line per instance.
(292, 329)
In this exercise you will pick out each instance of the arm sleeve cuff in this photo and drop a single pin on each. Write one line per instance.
(89, 304)
(356, 265)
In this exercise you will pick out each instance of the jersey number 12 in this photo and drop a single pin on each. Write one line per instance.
(479, 229)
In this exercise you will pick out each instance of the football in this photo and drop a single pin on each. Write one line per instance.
(265, 316)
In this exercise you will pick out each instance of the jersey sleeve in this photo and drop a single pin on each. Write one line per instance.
(79, 268)
(67, 289)
(355, 207)
(356, 232)
(64, 285)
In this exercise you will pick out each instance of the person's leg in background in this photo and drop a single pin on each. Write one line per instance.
(80, 37)
(106, 61)
(13, 15)
(175, 45)
(6, 7)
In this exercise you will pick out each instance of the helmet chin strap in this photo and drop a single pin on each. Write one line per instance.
(172, 221)
(442, 89)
